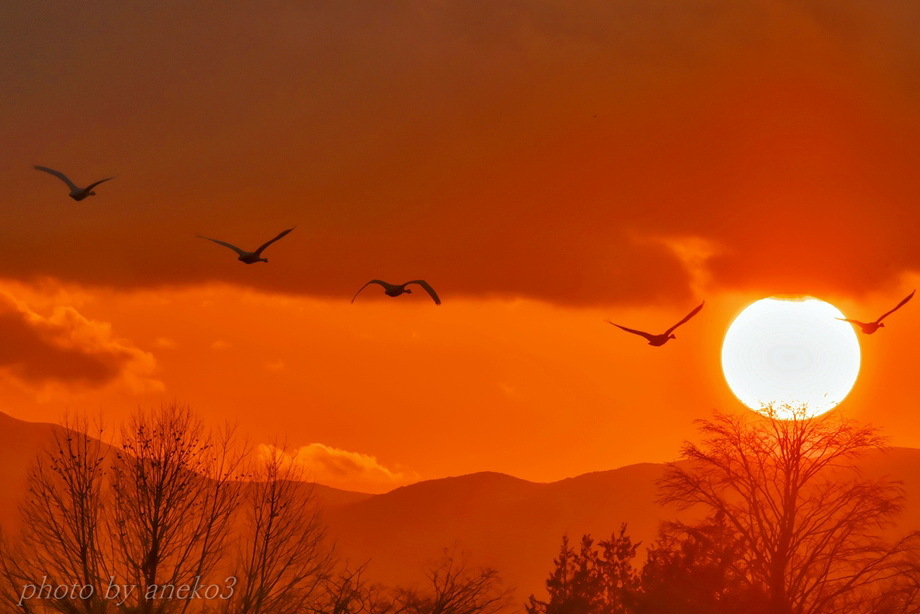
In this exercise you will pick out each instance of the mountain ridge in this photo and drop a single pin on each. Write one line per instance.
(511, 524)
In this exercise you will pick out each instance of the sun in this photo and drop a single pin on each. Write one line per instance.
(790, 351)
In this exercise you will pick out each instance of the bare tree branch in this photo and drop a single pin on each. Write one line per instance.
(789, 491)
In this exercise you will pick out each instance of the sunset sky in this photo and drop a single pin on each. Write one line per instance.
(544, 164)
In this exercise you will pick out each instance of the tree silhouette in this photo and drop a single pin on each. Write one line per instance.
(694, 570)
(175, 493)
(806, 522)
(157, 512)
(348, 592)
(284, 559)
(454, 587)
(593, 580)
(62, 539)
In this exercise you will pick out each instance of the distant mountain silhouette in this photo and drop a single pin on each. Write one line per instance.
(19, 443)
(504, 522)
(516, 526)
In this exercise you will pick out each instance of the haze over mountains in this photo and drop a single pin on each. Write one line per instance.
(504, 522)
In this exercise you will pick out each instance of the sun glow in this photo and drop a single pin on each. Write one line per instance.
(791, 352)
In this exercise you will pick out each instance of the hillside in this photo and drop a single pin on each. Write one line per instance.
(21, 442)
(504, 522)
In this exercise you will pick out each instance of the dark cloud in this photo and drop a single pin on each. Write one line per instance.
(65, 348)
(532, 148)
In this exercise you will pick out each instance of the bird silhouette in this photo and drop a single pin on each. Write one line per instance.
(76, 192)
(870, 327)
(659, 340)
(397, 289)
(249, 257)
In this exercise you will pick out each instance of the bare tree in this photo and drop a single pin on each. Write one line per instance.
(175, 493)
(285, 561)
(456, 588)
(61, 539)
(808, 523)
(156, 514)
(348, 592)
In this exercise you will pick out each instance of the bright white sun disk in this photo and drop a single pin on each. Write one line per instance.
(790, 352)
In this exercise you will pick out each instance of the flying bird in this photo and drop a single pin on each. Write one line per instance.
(870, 327)
(658, 340)
(249, 257)
(76, 192)
(397, 289)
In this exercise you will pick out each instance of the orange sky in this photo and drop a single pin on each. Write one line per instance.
(545, 166)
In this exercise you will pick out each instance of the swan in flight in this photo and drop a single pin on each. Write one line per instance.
(249, 257)
(76, 192)
(870, 327)
(397, 289)
(658, 340)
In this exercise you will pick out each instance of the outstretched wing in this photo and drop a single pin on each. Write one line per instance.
(686, 317)
(258, 252)
(60, 176)
(898, 306)
(629, 330)
(93, 185)
(373, 281)
(225, 244)
(428, 289)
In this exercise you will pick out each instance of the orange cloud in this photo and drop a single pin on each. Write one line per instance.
(342, 469)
